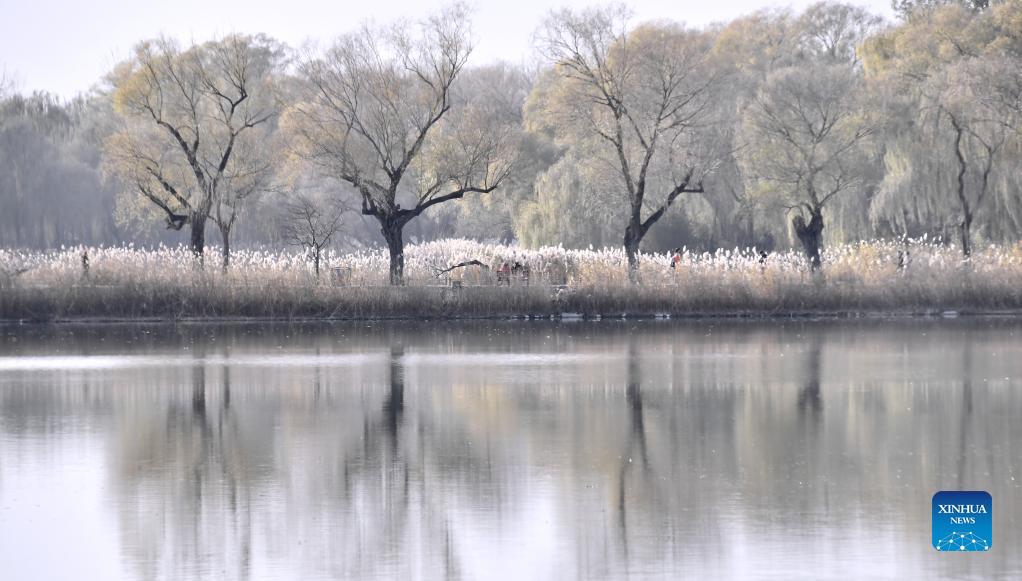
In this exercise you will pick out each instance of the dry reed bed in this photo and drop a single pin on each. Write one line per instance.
(128, 283)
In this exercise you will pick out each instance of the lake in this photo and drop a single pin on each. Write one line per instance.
(506, 449)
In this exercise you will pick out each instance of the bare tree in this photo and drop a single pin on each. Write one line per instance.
(977, 126)
(806, 133)
(251, 176)
(955, 126)
(992, 88)
(909, 8)
(378, 113)
(643, 95)
(187, 115)
(312, 225)
(501, 89)
(832, 32)
(940, 107)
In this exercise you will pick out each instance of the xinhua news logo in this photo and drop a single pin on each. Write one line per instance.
(962, 521)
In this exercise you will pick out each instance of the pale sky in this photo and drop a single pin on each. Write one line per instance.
(66, 46)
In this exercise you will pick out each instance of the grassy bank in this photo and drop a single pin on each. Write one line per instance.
(129, 283)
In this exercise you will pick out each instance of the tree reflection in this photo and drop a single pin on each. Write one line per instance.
(357, 473)
(634, 453)
(634, 397)
(810, 401)
(966, 413)
(394, 405)
(186, 467)
(652, 450)
(199, 390)
(226, 382)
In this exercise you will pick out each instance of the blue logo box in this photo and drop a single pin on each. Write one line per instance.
(962, 521)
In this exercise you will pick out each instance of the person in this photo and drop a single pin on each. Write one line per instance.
(504, 274)
(904, 258)
(521, 272)
(676, 258)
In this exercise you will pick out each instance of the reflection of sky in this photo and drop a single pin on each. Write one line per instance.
(55, 363)
(640, 450)
(56, 518)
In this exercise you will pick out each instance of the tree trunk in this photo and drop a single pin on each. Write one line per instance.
(810, 235)
(315, 261)
(198, 224)
(633, 238)
(225, 250)
(967, 208)
(965, 229)
(392, 233)
(966, 224)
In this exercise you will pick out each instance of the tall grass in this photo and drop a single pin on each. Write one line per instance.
(127, 282)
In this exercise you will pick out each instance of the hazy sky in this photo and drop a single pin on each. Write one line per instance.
(65, 46)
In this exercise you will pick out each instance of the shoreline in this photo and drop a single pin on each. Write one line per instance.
(524, 318)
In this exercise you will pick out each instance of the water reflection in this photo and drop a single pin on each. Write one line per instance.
(634, 455)
(734, 450)
(810, 401)
(966, 412)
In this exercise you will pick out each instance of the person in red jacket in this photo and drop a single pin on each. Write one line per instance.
(676, 258)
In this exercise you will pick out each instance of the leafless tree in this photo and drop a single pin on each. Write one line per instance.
(643, 95)
(188, 114)
(378, 112)
(831, 32)
(312, 225)
(960, 101)
(253, 176)
(806, 133)
(908, 8)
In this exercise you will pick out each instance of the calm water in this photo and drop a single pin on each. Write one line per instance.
(506, 450)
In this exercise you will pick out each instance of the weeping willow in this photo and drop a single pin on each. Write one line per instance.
(918, 192)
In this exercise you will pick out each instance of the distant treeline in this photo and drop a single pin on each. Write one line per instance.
(776, 129)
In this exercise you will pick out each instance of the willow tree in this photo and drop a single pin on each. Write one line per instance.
(956, 100)
(990, 90)
(641, 99)
(806, 136)
(908, 8)
(194, 120)
(831, 32)
(379, 111)
(949, 74)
